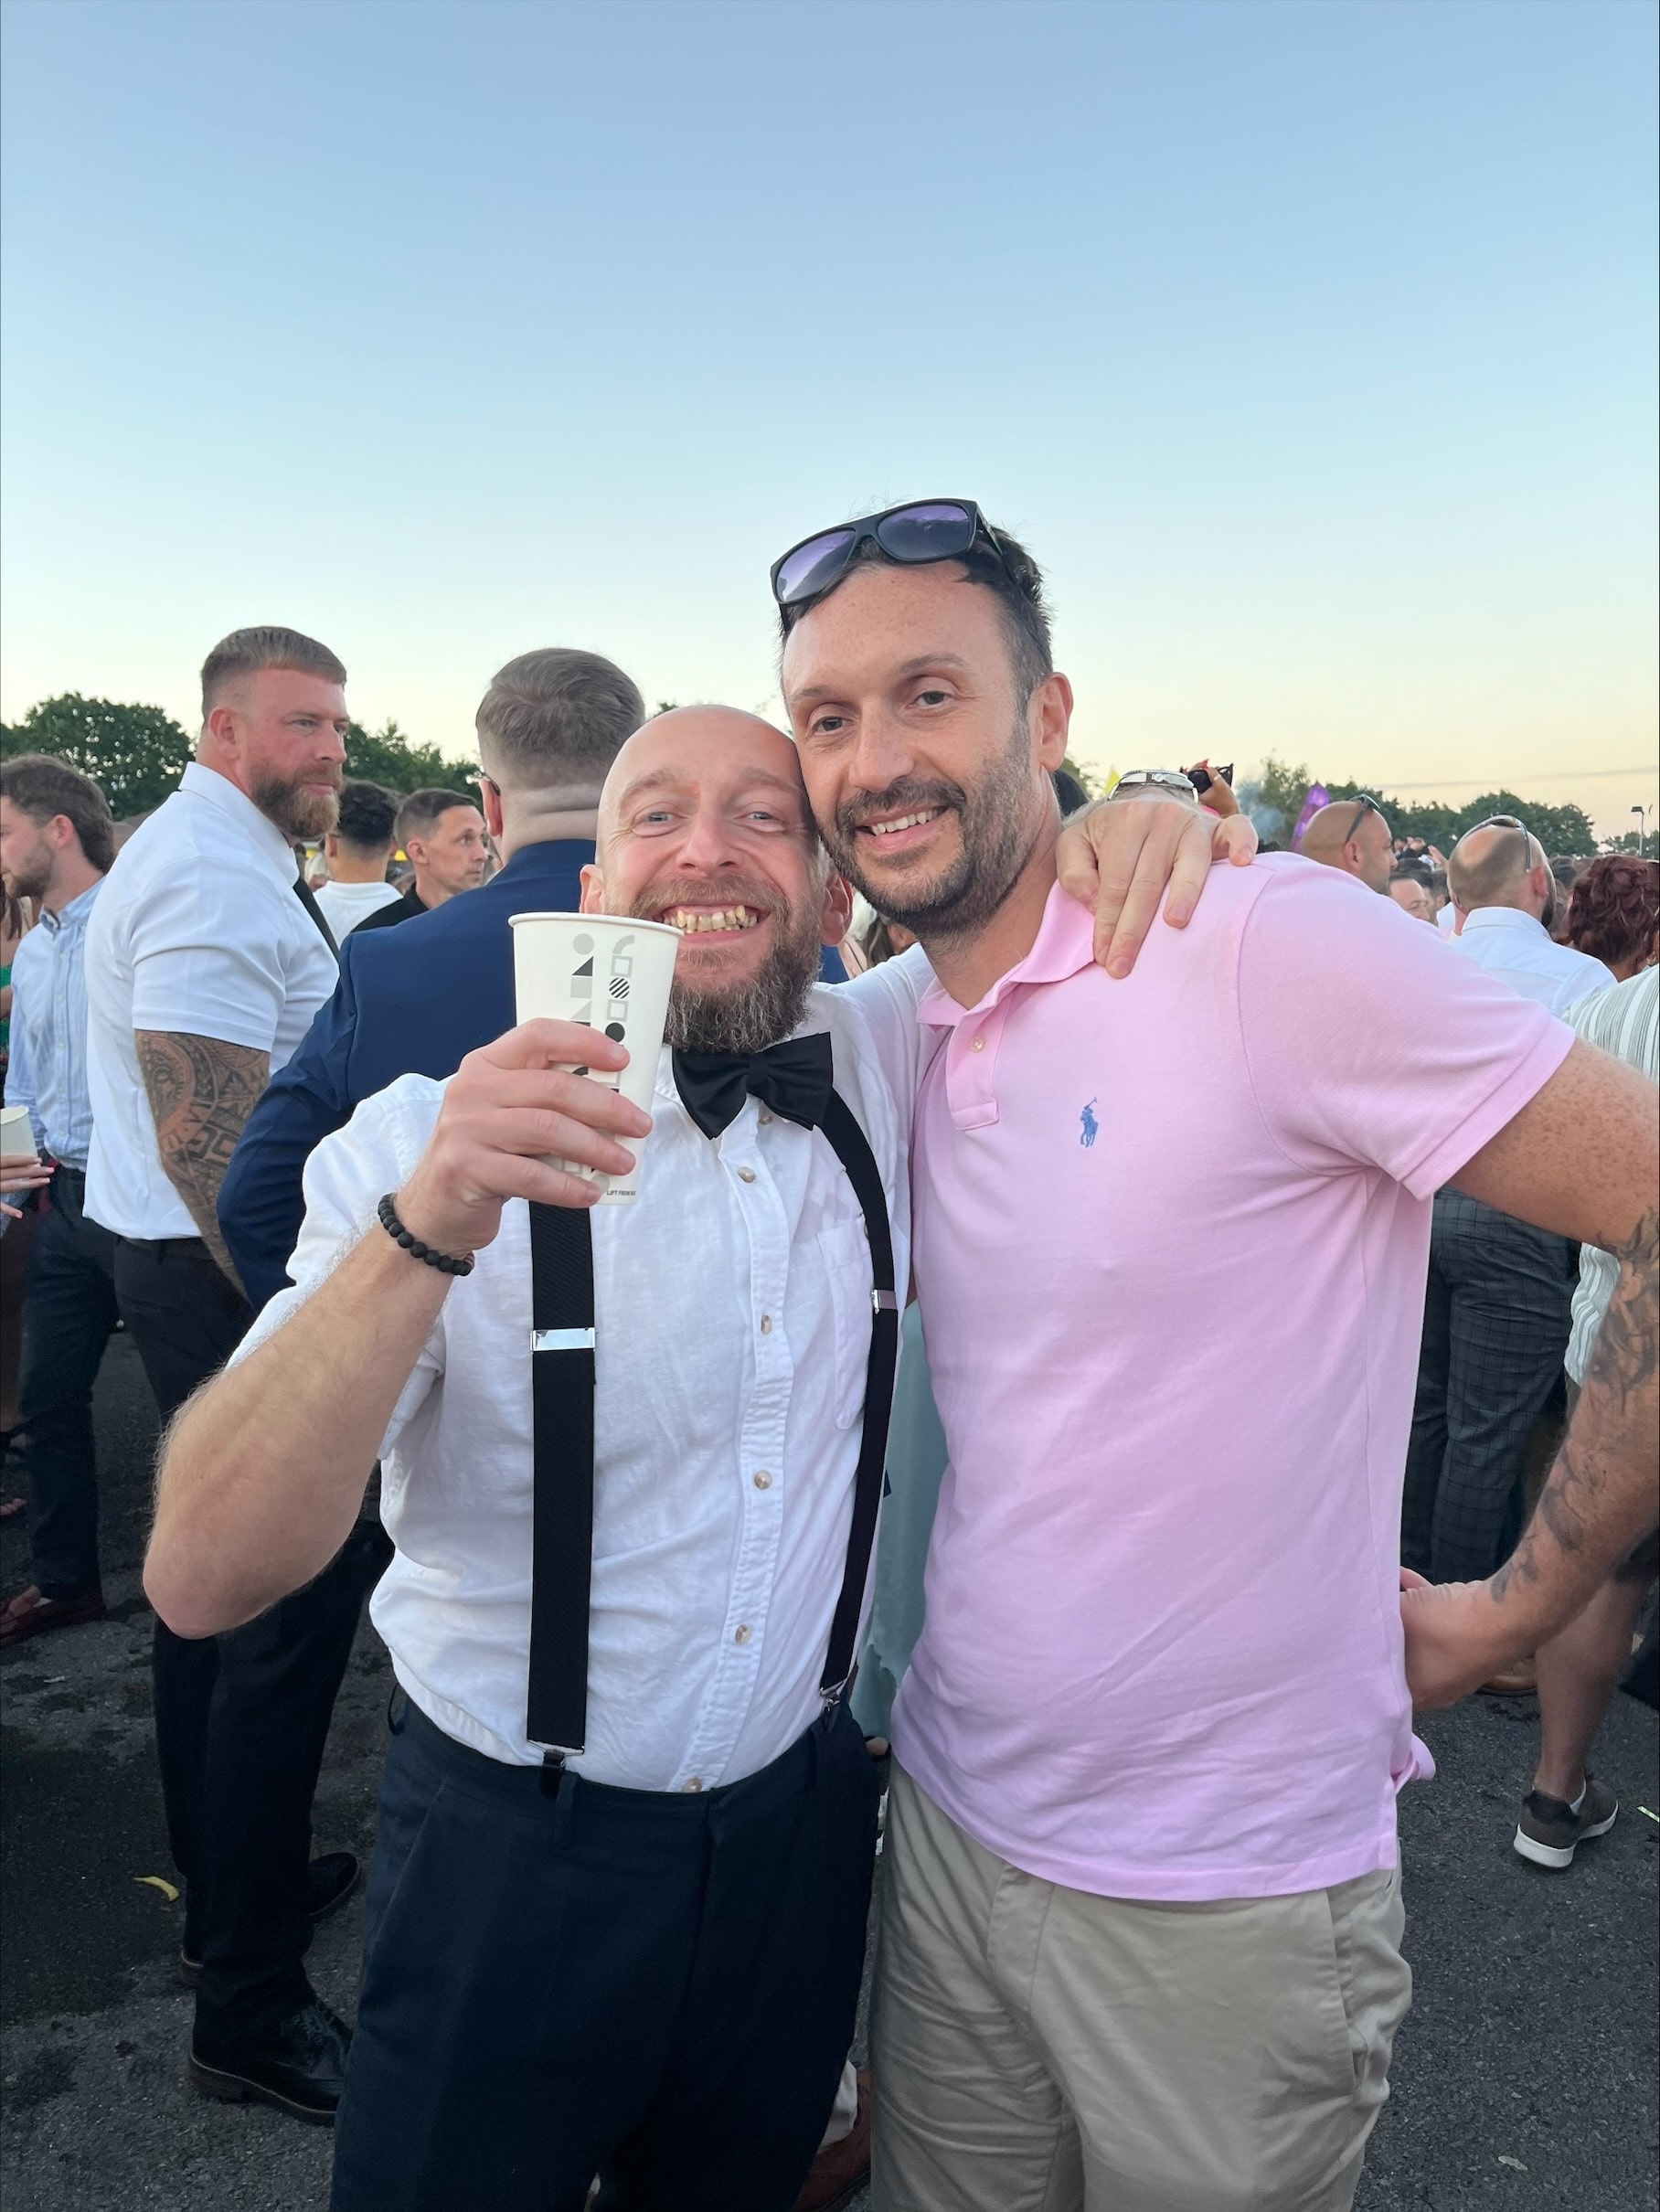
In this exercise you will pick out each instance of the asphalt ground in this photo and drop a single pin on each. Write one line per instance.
(1525, 2071)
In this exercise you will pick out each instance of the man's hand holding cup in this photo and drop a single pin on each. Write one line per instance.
(510, 1111)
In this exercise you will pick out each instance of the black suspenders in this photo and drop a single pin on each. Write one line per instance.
(562, 1382)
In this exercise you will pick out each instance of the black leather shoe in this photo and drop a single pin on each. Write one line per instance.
(329, 1881)
(299, 2065)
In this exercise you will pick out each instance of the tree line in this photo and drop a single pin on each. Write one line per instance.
(139, 753)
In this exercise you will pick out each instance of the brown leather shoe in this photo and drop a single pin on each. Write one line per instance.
(840, 2172)
(29, 1614)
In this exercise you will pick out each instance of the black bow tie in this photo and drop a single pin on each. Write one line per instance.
(794, 1078)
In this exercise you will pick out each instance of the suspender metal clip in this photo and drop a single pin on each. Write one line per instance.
(561, 1340)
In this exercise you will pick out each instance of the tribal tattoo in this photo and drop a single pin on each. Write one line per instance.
(201, 1091)
(1603, 1481)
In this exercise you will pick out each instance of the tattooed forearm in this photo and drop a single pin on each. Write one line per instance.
(1604, 1494)
(201, 1090)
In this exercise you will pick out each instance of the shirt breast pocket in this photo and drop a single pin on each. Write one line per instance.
(845, 1252)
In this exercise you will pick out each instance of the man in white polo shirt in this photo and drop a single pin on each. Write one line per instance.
(206, 961)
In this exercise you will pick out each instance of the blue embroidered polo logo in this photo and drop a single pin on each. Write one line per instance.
(1091, 1126)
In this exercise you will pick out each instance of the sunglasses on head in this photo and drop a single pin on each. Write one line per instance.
(1367, 806)
(923, 530)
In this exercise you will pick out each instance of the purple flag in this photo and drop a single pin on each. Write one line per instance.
(1318, 796)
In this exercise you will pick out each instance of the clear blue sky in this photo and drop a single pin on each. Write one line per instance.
(1309, 344)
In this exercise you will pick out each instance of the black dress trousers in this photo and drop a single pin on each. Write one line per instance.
(658, 1987)
(68, 1316)
(240, 1719)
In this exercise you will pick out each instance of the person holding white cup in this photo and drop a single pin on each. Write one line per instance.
(621, 1931)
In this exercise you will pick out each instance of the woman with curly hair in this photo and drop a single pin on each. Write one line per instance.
(1614, 913)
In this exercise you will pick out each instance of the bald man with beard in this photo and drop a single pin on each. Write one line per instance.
(1353, 836)
(641, 1953)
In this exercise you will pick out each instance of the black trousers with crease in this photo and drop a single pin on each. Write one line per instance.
(240, 1719)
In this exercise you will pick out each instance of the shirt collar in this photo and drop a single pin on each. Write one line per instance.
(1505, 918)
(1065, 945)
(221, 791)
(76, 911)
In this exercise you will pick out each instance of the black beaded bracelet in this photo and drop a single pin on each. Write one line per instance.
(444, 1262)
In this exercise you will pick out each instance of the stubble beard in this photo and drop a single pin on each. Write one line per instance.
(994, 831)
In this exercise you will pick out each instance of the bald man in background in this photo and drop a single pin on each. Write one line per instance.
(1506, 895)
(1353, 836)
(1499, 1301)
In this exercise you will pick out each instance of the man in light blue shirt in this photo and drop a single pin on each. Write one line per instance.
(57, 839)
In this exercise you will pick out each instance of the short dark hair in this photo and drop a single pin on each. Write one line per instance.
(40, 785)
(246, 652)
(556, 712)
(1614, 912)
(369, 815)
(421, 809)
(1410, 869)
(1015, 582)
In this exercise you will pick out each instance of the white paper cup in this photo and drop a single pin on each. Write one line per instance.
(614, 974)
(16, 1134)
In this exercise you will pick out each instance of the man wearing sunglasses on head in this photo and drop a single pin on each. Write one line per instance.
(1352, 834)
(1142, 1916)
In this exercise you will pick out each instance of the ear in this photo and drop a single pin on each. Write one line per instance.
(592, 901)
(1051, 703)
(490, 799)
(61, 833)
(836, 912)
(331, 846)
(222, 727)
(415, 851)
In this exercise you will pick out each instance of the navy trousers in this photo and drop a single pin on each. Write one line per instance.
(68, 1316)
(661, 1986)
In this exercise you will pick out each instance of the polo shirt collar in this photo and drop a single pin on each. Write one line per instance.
(221, 791)
(1065, 943)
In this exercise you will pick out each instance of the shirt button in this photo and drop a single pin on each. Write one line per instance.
(746, 1174)
(978, 1045)
(762, 1478)
(740, 1636)
(690, 1788)
(766, 1324)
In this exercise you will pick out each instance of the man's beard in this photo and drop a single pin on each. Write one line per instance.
(299, 814)
(993, 830)
(32, 877)
(745, 1016)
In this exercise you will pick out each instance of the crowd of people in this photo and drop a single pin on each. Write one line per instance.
(1136, 1665)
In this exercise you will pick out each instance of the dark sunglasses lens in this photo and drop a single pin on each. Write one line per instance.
(812, 566)
(927, 533)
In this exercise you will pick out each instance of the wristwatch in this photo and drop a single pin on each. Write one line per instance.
(1166, 779)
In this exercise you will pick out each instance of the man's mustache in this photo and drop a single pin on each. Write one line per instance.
(909, 794)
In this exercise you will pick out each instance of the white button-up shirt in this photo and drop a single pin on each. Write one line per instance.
(733, 1318)
(196, 930)
(1521, 951)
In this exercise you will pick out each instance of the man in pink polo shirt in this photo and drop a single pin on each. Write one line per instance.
(1142, 1919)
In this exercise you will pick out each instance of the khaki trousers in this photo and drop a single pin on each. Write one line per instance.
(1041, 2050)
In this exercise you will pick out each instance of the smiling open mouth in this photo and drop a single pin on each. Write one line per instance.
(901, 822)
(697, 921)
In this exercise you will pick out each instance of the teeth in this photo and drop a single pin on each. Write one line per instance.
(689, 923)
(886, 829)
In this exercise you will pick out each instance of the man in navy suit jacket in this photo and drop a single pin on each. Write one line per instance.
(417, 999)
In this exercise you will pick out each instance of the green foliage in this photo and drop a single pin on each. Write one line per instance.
(1090, 780)
(389, 757)
(137, 753)
(1559, 829)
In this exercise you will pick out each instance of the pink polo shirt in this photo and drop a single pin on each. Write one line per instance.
(1171, 1237)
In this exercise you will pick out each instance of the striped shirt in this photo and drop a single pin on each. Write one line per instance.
(48, 1070)
(1625, 1021)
